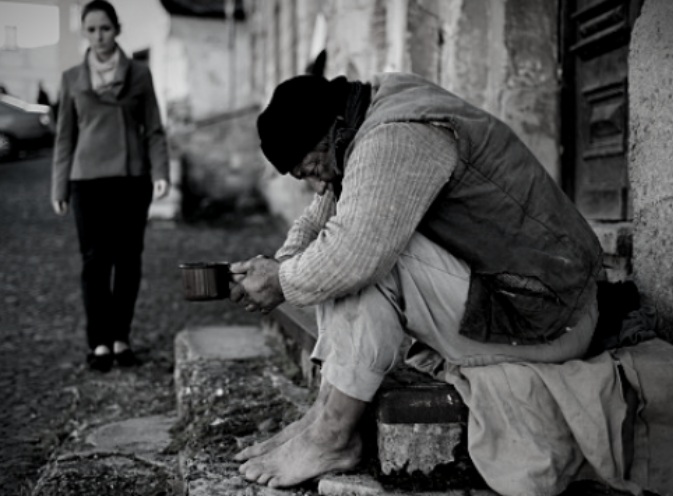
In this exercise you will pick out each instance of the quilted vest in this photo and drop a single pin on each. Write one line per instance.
(534, 258)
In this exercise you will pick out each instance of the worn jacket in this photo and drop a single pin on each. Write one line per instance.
(114, 134)
(534, 258)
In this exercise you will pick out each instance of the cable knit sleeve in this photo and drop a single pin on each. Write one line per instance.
(392, 176)
(305, 229)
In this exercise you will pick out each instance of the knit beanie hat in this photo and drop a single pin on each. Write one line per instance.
(300, 113)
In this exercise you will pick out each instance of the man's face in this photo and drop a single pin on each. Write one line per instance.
(316, 169)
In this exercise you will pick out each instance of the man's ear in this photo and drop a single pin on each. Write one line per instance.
(317, 67)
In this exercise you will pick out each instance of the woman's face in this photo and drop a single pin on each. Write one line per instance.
(101, 33)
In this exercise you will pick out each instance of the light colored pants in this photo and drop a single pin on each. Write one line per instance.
(361, 335)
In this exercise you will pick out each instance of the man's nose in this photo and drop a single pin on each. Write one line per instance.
(317, 185)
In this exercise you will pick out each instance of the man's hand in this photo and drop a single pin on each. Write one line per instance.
(257, 284)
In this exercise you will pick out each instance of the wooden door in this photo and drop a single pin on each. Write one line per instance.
(595, 43)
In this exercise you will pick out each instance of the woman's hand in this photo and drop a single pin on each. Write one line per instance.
(160, 188)
(60, 207)
(257, 284)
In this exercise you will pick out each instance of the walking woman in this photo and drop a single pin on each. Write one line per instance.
(110, 158)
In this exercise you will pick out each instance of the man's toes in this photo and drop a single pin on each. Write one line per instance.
(273, 483)
(249, 471)
(243, 455)
(252, 475)
(276, 482)
(263, 479)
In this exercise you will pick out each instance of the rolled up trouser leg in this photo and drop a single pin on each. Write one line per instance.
(360, 335)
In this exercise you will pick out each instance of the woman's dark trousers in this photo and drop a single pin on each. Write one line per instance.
(111, 215)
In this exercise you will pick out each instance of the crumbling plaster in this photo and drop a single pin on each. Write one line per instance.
(651, 152)
(501, 56)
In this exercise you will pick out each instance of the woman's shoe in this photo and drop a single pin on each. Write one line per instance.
(126, 358)
(102, 363)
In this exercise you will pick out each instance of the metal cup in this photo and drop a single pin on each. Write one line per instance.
(203, 281)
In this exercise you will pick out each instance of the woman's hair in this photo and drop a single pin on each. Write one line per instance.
(104, 6)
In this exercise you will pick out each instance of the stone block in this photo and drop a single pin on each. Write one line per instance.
(420, 423)
(222, 342)
(425, 403)
(365, 485)
(417, 447)
(144, 436)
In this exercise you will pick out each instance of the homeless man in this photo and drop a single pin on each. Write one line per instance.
(431, 219)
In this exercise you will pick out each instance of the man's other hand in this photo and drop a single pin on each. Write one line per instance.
(257, 284)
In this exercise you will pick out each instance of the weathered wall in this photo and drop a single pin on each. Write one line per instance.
(212, 111)
(22, 70)
(501, 56)
(651, 152)
(221, 164)
(197, 66)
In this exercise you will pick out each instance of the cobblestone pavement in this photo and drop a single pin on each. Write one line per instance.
(48, 395)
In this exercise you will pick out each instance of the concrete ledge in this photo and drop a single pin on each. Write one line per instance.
(226, 343)
(365, 485)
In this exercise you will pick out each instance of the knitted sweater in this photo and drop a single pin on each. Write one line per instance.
(392, 178)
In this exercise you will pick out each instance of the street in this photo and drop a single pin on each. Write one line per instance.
(48, 393)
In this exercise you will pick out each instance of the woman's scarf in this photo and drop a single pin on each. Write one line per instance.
(344, 130)
(102, 73)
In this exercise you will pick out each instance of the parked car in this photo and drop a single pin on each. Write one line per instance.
(23, 126)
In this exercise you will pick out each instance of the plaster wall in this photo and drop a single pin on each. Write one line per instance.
(501, 56)
(22, 70)
(651, 152)
(199, 59)
(349, 42)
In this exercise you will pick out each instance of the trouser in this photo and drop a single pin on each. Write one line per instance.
(361, 335)
(111, 215)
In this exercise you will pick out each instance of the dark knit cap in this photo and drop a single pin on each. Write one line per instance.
(300, 113)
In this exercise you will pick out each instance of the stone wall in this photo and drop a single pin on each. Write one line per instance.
(651, 152)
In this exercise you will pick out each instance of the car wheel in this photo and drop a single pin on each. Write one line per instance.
(6, 146)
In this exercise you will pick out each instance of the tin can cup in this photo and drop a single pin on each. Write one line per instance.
(203, 281)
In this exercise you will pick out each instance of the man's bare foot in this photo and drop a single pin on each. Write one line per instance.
(331, 442)
(292, 430)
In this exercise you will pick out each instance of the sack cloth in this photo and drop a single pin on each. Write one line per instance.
(535, 428)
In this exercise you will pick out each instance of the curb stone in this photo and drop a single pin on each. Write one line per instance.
(125, 457)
